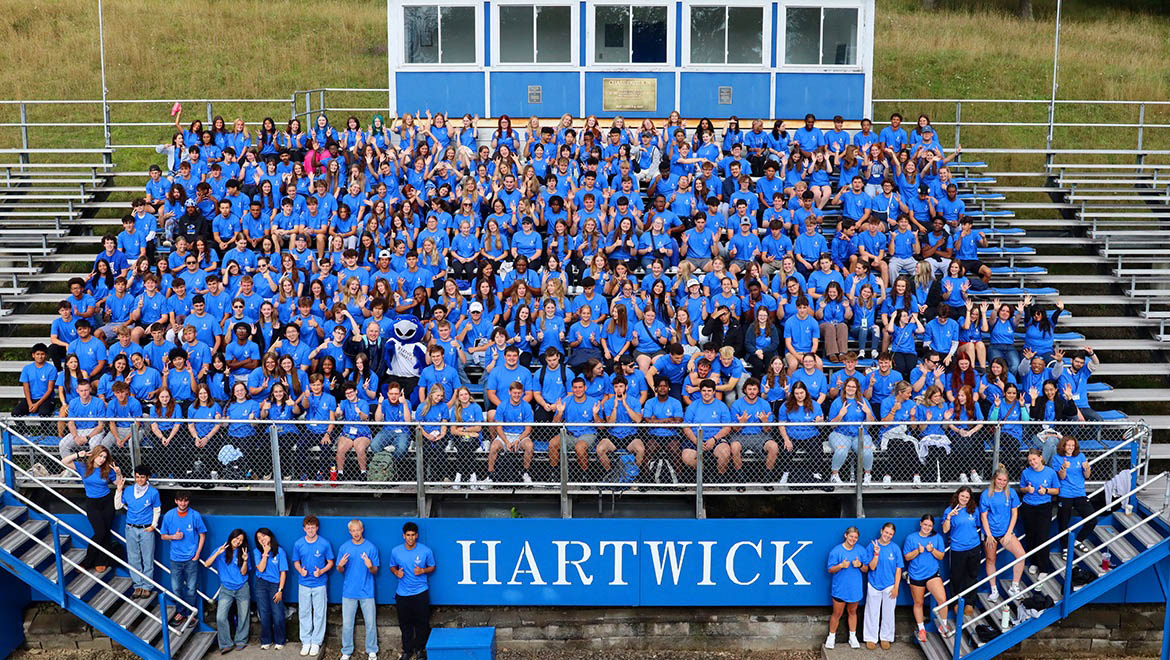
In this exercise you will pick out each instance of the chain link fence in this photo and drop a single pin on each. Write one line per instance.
(445, 457)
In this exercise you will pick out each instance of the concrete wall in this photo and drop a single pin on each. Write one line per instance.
(1096, 631)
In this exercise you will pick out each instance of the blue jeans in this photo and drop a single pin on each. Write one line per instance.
(241, 597)
(349, 608)
(1007, 352)
(271, 613)
(183, 576)
(841, 444)
(140, 555)
(312, 602)
(396, 436)
(871, 340)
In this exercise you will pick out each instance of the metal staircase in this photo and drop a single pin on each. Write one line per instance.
(42, 550)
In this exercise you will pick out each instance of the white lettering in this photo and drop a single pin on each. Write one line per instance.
(757, 546)
(659, 561)
(782, 562)
(619, 575)
(533, 569)
(563, 562)
(706, 581)
(490, 562)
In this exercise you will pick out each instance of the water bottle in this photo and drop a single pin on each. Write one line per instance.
(1106, 560)
(1005, 618)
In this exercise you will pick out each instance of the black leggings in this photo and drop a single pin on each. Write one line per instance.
(1037, 519)
(464, 271)
(1066, 507)
(965, 568)
(414, 620)
(100, 511)
(904, 364)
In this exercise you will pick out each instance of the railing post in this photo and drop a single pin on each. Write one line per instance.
(23, 132)
(277, 477)
(420, 470)
(566, 512)
(210, 114)
(308, 105)
(166, 623)
(958, 122)
(321, 99)
(292, 109)
(135, 445)
(1069, 557)
(107, 158)
(700, 510)
(860, 476)
(1141, 159)
(60, 563)
(957, 649)
(995, 450)
(6, 438)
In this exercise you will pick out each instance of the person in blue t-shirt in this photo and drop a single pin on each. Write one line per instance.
(271, 564)
(412, 562)
(184, 528)
(961, 525)
(885, 575)
(358, 562)
(1073, 469)
(712, 418)
(39, 382)
(230, 562)
(143, 509)
(1039, 483)
(998, 509)
(98, 472)
(923, 553)
(846, 564)
(312, 558)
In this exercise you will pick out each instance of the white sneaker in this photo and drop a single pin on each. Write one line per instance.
(1032, 570)
(265, 647)
(458, 481)
(1014, 589)
(853, 643)
(527, 478)
(784, 478)
(1041, 577)
(474, 483)
(486, 483)
(993, 596)
(887, 480)
(831, 642)
(816, 476)
(277, 647)
(917, 481)
(867, 479)
(304, 649)
(345, 657)
(315, 650)
(975, 478)
(835, 478)
(372, 656)
(962, 478)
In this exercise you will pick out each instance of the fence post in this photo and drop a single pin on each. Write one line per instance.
(23, 132)
(700, 511)
(1141, 159)
(277, 477)
(136, 444)
(210, 114)
(860, 476)
(308, 105)
(958, 122)
(420, 472)
(6, 438)
(564, 463)
(292, 106)
(995, 450)
(321, 99)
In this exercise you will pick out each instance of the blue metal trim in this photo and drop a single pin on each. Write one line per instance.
(487, 34)
(775, 31)
(678, 33)
(581, 33)
(9, 475)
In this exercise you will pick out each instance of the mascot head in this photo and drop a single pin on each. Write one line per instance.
(408, 330)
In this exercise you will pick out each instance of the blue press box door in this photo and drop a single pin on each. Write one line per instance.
(462, 644)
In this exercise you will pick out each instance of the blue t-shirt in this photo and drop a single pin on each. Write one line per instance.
(358, 582)
(847, 583)
(140, 510)
(230, 576)
(925, 565)
(708, 418)
(38, 378)
(311, 557)
(191, 525)
(275, 566)
(1045, 477)
(889, 561)
(96, 486)
(1073, 483)
(802, 332)
(998, 507)
(964, 529)
(421, 556)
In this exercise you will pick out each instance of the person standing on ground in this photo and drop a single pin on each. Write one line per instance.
(846, 564)
(411, 562)
(184, 528)
(271, 573)
(97, 471)
(143, 509)
(358, 562)
(230, 562)
(312, 559)
(885, 576)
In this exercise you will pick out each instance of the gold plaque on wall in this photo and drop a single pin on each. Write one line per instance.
(629, 94)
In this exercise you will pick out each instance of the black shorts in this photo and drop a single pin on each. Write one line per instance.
(999, 539)
(971, 265)
(922, 583)
(844, 602)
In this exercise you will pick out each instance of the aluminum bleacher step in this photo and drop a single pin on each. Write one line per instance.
(1132, 395)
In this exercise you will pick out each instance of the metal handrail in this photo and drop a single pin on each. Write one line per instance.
(73, 504)
(103, 583)
(942, 607)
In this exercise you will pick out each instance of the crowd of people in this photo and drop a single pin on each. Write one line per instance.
(599, 279)
(971, 531)
(251, 571)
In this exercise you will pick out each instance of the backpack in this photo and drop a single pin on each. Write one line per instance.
(1081, 576)
(381, 467)
(564, 376)
(1038, 601)
(984, 633)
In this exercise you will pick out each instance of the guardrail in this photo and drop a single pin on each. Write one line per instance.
(571, 458)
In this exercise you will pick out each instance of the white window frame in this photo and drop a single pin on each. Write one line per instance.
(765, 36)
(863, 49)
(397, 33)
(574, 34)
(591, 30)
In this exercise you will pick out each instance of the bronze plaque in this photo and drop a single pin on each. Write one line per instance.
(629, 94)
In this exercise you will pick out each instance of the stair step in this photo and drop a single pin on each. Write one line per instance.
(1122, 549)
(196, 646)
(84, 583)
(148, 628)
(16, 540)
(178, 638)
(1144, 534)
(105, 600)
(127, 614)
(73, 554)
(38, 554)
